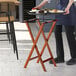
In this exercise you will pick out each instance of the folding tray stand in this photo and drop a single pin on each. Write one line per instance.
(41, 25)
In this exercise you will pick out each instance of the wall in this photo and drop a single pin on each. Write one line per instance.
(21, 12)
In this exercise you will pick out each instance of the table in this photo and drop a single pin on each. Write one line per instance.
(10, 1)
(14, 2)
(41, 25)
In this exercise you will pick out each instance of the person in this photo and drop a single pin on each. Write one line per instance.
(68, 20)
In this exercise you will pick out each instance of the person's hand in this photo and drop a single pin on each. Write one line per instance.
(66, 11)
(41, 4)
(35, 8)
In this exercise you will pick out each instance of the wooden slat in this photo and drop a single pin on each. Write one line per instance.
(4, 7)
(5, 19)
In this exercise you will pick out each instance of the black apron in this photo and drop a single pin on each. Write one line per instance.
(69, 19)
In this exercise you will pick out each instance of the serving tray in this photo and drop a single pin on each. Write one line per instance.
(46, 11)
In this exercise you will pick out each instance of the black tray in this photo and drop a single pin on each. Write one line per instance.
(35, 13)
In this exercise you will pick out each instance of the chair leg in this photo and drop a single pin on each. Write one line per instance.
(8, 32)
(13, 37)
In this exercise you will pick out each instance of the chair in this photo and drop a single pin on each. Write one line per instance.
(7, 18)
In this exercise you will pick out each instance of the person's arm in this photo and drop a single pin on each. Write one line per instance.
(68, 6)
(41, 4)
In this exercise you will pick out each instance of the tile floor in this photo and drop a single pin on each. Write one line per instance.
(10, 66)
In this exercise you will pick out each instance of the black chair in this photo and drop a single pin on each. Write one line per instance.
(8, 19)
